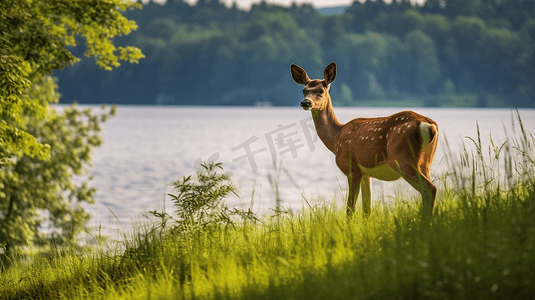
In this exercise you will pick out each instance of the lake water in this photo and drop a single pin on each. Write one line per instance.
(146, 148)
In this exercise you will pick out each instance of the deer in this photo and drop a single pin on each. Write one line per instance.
(385, 148)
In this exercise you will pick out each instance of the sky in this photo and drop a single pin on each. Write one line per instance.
(246, 4)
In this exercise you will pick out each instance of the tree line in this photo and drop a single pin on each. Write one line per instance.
(211, 54)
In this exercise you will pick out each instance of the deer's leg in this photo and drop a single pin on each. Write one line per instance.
(354, 188)
(418, 178)
(366, 189)
(429, 199)
(425, 164)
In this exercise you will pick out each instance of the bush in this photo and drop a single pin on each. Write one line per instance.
(199, 201)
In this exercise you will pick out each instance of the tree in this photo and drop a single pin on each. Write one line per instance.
(462, 7)
(425, 66)
(34, 35)
(362, 56)
(333, 29)
(41, 149)
(30, 186)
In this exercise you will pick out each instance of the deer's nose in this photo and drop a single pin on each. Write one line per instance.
(306, 104)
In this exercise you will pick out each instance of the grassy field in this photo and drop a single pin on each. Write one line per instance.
(481, 245)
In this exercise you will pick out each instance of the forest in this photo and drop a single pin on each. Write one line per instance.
(453, 53)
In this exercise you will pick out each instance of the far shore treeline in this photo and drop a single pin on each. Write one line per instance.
(456, 53)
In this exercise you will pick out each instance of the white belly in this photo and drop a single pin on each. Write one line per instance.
(381, 172)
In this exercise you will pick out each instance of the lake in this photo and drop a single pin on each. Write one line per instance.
(146, 148)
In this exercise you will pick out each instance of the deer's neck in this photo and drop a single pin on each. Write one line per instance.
(327, 126)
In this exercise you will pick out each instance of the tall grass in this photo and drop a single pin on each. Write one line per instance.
(480, 246)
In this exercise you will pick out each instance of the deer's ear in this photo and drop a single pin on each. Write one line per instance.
(329, 74)
(299, 74)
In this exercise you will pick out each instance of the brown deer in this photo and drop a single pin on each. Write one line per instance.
(385, 148)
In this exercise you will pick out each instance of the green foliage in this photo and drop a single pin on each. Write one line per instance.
(14, 74)
(413, 19)
(41, 149)
(468, 30)
(423, 59)
(34, 191)
(34, 40)
(200, 200)
(344, 97)
(448, 87)
(227, 56)
(436, 24)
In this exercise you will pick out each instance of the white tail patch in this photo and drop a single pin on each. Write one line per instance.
(424, 131)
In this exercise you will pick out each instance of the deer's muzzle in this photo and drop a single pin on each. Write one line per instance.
(306, 104)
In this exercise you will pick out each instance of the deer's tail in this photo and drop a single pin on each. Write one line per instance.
(429, 133)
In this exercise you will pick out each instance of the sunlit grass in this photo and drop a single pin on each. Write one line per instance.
(480, 246)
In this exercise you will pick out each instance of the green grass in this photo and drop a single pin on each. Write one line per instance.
(481, 245)
(472, 251)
